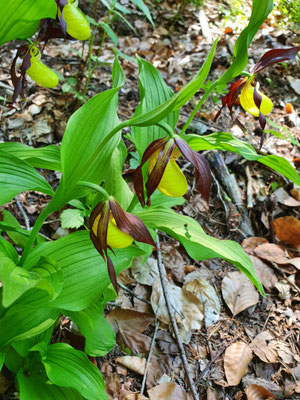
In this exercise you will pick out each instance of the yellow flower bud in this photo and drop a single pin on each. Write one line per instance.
(39, 72)
(247, 100)
(116, 238)
(173, 182)
(77, 24)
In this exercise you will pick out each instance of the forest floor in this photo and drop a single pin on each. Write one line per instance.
(243, 339)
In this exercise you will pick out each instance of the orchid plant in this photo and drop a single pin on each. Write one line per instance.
(77, 274)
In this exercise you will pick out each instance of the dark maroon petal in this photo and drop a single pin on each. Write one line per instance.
(159, 169)
(231, 97)
(203, 175)
(112, 273)
(19, 81)
(138, 180)
(275, 56)
(63, 25)
(100, 239)
(130, 224)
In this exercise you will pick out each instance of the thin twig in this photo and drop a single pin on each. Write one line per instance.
(173, 321)
(212, 361)
(132, 293)
(149, 356)
(26, 219)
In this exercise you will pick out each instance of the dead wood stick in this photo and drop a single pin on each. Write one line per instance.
(26, 219)
(132, 293)
(149, 355)
(249, 187)
(173, 320)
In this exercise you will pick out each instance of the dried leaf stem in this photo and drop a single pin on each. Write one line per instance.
(173, 320)
(132, 293)
(149, 356)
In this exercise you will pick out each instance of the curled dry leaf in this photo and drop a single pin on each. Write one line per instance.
(236, 360)
(239, 292)
(250, 244)
(173, 260)
(284, 290)
(257, 392)
(207, 295)
(168, 391)
(262, 347)
(283, 197)
(133, 363)
(188, 309)
(124, 319)
(264, 272)
(273, 253)
(287, 229)
(146, 273)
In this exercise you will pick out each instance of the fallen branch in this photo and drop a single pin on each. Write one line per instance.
(173, 320)
(132, 293)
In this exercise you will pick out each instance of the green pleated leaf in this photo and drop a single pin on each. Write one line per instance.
(153, 92)
(23, 322)
(19, 19)
(13, 360)
(226, 142)
(177, 100)
(109, 32)
(23, 346)
(260, 11)
(47, 157)
(8, 250)
(2, 357)
(84, 271)
(18, 235)
(197, 243)
(37, 387)
(16, 176)
(68, 367)
(142, 6)
(100, 337)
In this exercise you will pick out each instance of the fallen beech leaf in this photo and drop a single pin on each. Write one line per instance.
(295, 262)
(212, 394)
(283, 289)
(188, 309)
(135, 341)
(135, 396)
(272, 252)
(238, 292)
(146, 273)
(204, 291)
(257, 392)
(284, 352)
(133, 320)
(168, 391)
(173, 260)
(133, 363)
(265, 274)
(262, 347)
(236, 360)
(284, 198)
(251, 243)
(266, 383)
(287, 229)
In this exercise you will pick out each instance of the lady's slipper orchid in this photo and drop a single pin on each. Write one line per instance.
(72, 20)
(114, 228)
(165, 175)
(39, 72)
(245, 91)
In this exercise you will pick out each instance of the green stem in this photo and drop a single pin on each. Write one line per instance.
(167, 128)
(196, 109)
(245, 73)
(94, 187)
(133, 203)
(35, 230)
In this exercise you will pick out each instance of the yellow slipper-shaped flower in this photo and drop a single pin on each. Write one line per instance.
(77, 24)
(39, 72)
(247, 100)
(173, 182)
(116, 238)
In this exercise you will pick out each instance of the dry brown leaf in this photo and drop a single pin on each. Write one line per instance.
(266, 383)
(173, 260)
(188, 309)
(160, 368)
(262, 348)
(257, 392)
(287, 229)
(144, 292)
(132, 320)
(168, 391)
(284, 289)
(283, 350)
(250, 244)
(204, 291)
(212, 394)
(133, 363)
(135, 341)
(283, 197)
(236, 360)
(146, 273)
(239, 292)
(135, 396)
(265, 273)
(272, 252)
